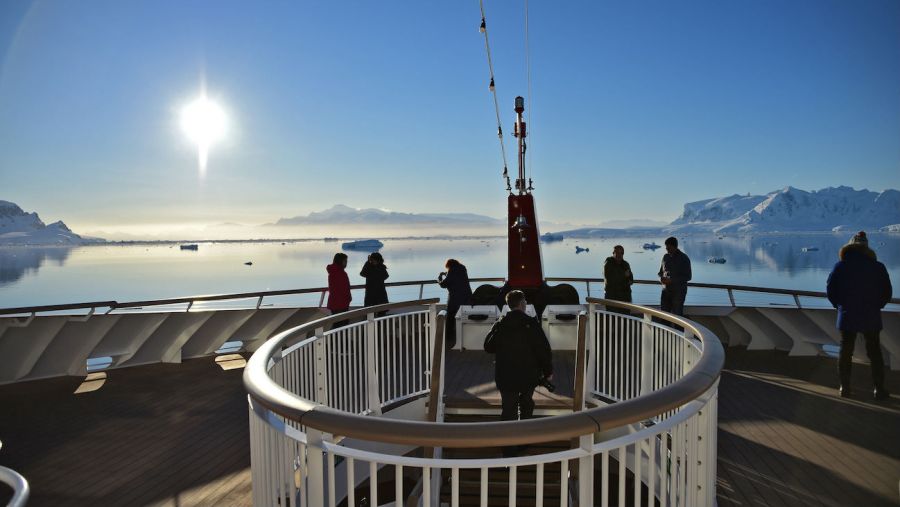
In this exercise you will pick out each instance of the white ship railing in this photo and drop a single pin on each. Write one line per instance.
(707, 294)
(18, 484)
(651, 378)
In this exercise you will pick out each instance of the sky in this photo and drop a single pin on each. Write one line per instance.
(634, 109)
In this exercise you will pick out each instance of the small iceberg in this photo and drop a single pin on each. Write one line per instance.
(716, 260)
(363, 244)
(330, 239)
(192, 246)
(651, 246)
(578, 249)
(550, 237)
(810, 249)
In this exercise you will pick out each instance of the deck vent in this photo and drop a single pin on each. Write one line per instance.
(99, 363)
(230, 347)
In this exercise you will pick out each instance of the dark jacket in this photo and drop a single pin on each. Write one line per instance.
(859, 287)
(338, 288)
(618, 279)
(375, 275)
(457, 284)
(522, 349)
(676, 267)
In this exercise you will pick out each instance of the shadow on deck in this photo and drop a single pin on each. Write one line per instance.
(177, 435)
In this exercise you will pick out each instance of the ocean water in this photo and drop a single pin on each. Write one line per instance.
(55, 275)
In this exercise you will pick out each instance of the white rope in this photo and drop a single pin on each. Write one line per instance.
(493, 89)
(530, 103)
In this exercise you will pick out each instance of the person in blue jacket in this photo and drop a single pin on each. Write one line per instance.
(859, 287)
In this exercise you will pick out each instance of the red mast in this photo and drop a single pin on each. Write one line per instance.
(526, 268)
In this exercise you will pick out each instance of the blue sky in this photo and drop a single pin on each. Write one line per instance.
(638, 107)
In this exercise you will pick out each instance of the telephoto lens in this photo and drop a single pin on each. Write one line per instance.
(546, 384)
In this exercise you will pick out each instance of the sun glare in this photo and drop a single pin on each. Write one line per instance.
(204, 122)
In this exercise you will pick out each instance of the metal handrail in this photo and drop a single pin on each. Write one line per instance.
(19, 485)
(269, 394)
(112, 305)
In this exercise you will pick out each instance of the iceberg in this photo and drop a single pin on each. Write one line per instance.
(363, 244)
(550, 237)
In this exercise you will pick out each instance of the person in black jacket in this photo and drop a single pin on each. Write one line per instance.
(375, 273)
(674, 274)
(859, 287)
(617, 278)
(459, 292)
(523, 358)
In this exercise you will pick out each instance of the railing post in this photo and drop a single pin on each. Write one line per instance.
(580, 365)
(592, 338)
(585, 471)
(321, 380)
(315, 473)
(797, 301)
(647, 354)
(371, 371)
(587, 283)
(731, 297)
(421, 290)
(322, 298)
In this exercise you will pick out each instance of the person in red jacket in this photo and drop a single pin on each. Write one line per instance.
(338, 285)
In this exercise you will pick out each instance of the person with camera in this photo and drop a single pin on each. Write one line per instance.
(459, 292)
(375, 273)
(523, 361)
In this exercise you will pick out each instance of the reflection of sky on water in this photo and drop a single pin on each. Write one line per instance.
(33, 276)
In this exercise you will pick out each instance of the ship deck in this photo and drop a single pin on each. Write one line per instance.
(177, 435)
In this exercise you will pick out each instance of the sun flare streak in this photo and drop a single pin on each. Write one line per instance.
(204, 122)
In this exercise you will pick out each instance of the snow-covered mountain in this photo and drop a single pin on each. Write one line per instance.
(345, 215)
(792, 209)
(18, 227)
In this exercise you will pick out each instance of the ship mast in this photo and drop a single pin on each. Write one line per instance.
(525, 268)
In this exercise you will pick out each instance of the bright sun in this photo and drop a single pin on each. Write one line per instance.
(204, 123)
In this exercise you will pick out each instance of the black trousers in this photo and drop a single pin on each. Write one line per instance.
(672, 299)
(450, 326)
(516, 405)
(873, 350)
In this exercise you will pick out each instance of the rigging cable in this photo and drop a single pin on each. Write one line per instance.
(530, 104)
(493, 89)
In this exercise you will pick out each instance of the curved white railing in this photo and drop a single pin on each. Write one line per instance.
(18, 484)
(316, 434)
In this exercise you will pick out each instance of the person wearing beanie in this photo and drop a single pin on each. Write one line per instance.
(859, 287)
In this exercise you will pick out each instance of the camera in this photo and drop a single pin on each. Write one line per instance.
(545, 383)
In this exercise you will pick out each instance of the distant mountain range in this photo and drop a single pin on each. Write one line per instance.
(345, 215)
(18, 227)
(786, 210)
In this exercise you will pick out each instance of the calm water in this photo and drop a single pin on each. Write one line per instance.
(40, 276)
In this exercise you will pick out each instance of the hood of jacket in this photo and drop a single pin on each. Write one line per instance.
(851, 251)
(334, 269)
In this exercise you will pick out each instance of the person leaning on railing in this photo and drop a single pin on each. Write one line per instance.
(459, 292)
(859, 287)
(523, 360)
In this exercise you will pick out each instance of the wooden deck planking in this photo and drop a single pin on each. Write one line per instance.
(153, 435)
(177, 435)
